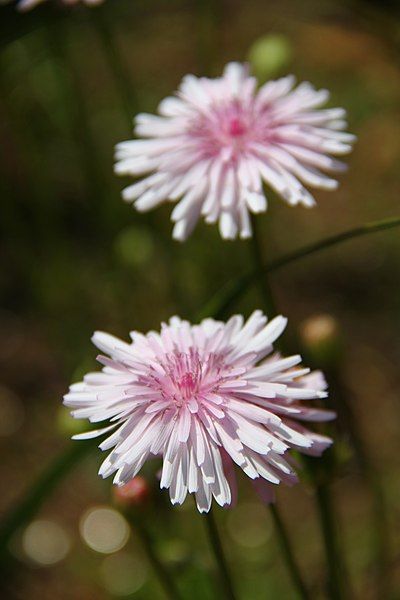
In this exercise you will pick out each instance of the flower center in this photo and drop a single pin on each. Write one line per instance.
(186, 377)
(226, 127)
(236, 127)
(188, 385)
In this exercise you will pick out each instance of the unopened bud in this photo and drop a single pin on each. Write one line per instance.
(320, 337)
(270, 55)
(134, 493)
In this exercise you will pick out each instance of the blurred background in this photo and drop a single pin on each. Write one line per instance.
(75, 258)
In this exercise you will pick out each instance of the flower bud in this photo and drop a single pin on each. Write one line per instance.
(270, 55)
(320, 336)
(134, 493)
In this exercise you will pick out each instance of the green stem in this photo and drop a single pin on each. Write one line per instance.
(234, 289)
(371, 477)
(325, 509)
(329, 533)
(262, 278)
(216, 545)
(381, 534)
(288, 553)
(117, 65)
(209, 15)
(76, 113)
(165, 579)
(271, 310)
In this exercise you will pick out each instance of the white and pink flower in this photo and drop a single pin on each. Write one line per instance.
(218, 141)
(203, 398)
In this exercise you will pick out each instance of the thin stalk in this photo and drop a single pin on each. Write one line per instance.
(227, 295)
(15, 129)
(329, 533)
(262, 278)
(161, 571)
(372, 479)
(381, 534)
(325, 508)
(288, 554)
(117, 65)
(270, 308)
(209, 15)
(76, 113)
(216, 545)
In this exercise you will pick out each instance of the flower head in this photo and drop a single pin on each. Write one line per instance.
(217, 141)
(199, 398)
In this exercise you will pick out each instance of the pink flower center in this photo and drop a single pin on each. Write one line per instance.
(227, 127)
(236, 127)
(187, 377)
(188, 385)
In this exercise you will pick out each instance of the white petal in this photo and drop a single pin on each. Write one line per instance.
(88, 435)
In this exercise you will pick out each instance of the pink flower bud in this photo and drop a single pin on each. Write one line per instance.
(134, 493)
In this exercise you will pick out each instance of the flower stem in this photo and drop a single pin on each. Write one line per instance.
(209, 15)
(288, 554)
(75, 111)
(262, 280)
(324, 504)
(329, 533)
(228, 294)
(371, 478)
(270, 308)
(216, 545)
(163, 574)
(117, 65)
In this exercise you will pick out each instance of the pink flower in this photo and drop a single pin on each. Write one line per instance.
(198, 397)
(218, 141)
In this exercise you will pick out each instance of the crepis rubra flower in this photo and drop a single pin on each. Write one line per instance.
(218, 141)
(203, 398)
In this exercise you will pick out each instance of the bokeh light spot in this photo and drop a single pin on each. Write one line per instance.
(104, 529)
(45, 542)
(123, 574)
